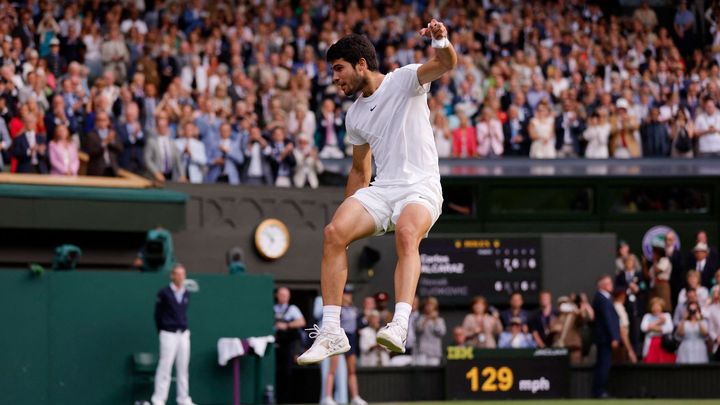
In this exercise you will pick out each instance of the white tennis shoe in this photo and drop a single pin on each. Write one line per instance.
(328, 342)
(392, 337)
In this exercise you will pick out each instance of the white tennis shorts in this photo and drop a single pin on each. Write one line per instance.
(385, 204)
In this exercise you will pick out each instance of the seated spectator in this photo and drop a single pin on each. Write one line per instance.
(693, 282)
(692, 331)
(481, 327)
(542, 133)
(539, 323)
(372, 354)
(30, 148)
(430, 328)
(458, 336)
(566, 328)
(464, 138)
(308, 165)
(515, 338)
(132, 138)
(489, 134)
(225, 158)
(162, 158)
(63, 153)
(655, 324)
(597, 135)
(625, 352)
(282, 159)
(515, 311)
(192, 154)
(257, 155)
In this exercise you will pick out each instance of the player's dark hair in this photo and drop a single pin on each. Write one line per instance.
(352, 48)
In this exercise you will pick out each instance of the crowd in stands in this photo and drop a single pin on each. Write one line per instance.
(201, 91)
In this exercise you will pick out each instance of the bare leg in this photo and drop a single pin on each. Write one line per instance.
(412, 225)
(330, 381)
(352, 376)
(350, 223)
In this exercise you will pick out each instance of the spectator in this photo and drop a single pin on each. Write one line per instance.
(5, 145)
(655, 324)
(623, 144)
(63, 153)
(622, 253)
(430, 328)
(692, 331)
(257, 155)
(282, 157)
(566, 328)
(331, 140)
(569, 127)
(162, 158)
(704, 263)
(115, 55)
(443, 135)
(542, 133)
(514, 337)
(635, 285)
(714, 324)
(132, 138)
(681, 310)
(597, 135)
(308, 165)
(515, 311)
(192, 154)
(660, 271)
(646, 15)
(372, 354)
(458, 336)
(514, 131)
(539, 324)
(654, 136)
(103, 147)
(707, 129)
(57, 65)
(677, 280)
(489, 134)
(683, 25)
(606, 334)
(464, 138)
(481, 327)
(289, 322)
(225, 158)
(682, 135)
(693, 282)
(624, 352)
(30, 147)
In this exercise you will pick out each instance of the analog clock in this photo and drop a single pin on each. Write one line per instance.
(272, 239)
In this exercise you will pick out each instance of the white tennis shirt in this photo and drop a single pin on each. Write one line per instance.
(395, 121)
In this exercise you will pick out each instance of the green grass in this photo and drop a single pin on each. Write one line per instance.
(573, 402)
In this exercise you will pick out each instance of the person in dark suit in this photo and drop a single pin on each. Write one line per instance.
(30, 148)
(704, 262)
(606, 334)
(636, 286)
(569, 129)
(132, 137)
(103, 147)
(171, 321)
(517, 142)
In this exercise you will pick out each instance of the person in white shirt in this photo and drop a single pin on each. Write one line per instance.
(371, 354)
(707, 129)
(192, 154)
(391, 118)
(597, 135)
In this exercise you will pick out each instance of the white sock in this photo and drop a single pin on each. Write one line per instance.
(402, 314)
(331, 316)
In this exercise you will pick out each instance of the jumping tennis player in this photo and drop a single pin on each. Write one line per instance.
(390, 119)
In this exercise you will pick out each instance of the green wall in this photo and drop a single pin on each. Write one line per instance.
(68, 337)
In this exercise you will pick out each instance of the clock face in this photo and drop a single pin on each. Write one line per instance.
(272, 239)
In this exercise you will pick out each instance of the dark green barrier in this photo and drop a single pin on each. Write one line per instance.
(69, 337)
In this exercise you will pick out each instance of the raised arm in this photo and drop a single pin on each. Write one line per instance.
(361, 169)
(445, 57)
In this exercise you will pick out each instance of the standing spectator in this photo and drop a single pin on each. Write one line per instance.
(597, 135)
(5, 145)
(677, 277)
(542, 133)
(443, 135)
(225, 158)
(192, 154)
(257, 154)
(569, 127)
(430, 328)
(566, 328)
(622, 253)
(704, 263)
(103, 147)
(707, 129)
(458, 336)
(372, 354)
(654, 136)
(693, 282)
(625, 352)
(489, 134)
(514, 131)
(606, 334)
(171, 321)
(714, 324)
(30, 147)
(692, 330)
(282, 157)
(289, 322)
(515, 311)
(480, 326)
(132, 138)
(683, 26)
(623, 144)
(660, 272)
(56, 63)
(636, 288)
(682, 134)
(162, 158)
(540, 323)
(655, 324)
(115, 55)
(514, 337)
(308, 165)
(464, 138)
(646, 15)
(330, 142)
(167, 66)
(63, 153)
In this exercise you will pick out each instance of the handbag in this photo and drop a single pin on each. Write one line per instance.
(669, 343)
(683, 143)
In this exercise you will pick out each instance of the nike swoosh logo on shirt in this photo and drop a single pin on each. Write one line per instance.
(373, 108)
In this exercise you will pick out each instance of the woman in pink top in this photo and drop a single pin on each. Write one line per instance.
(489, 134)
(63, 153)
(464, 138)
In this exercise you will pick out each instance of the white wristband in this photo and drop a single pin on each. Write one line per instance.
(440, 43)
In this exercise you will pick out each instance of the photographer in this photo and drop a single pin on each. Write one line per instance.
(692, 330)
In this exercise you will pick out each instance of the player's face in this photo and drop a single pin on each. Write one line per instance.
(347, 77)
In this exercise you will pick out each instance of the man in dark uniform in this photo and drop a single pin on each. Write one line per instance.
(171, 321)
(606, 333)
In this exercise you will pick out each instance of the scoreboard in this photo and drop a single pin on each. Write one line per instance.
(456, 269)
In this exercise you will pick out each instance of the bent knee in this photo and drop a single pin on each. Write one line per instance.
(407, 238)
(334, 236)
